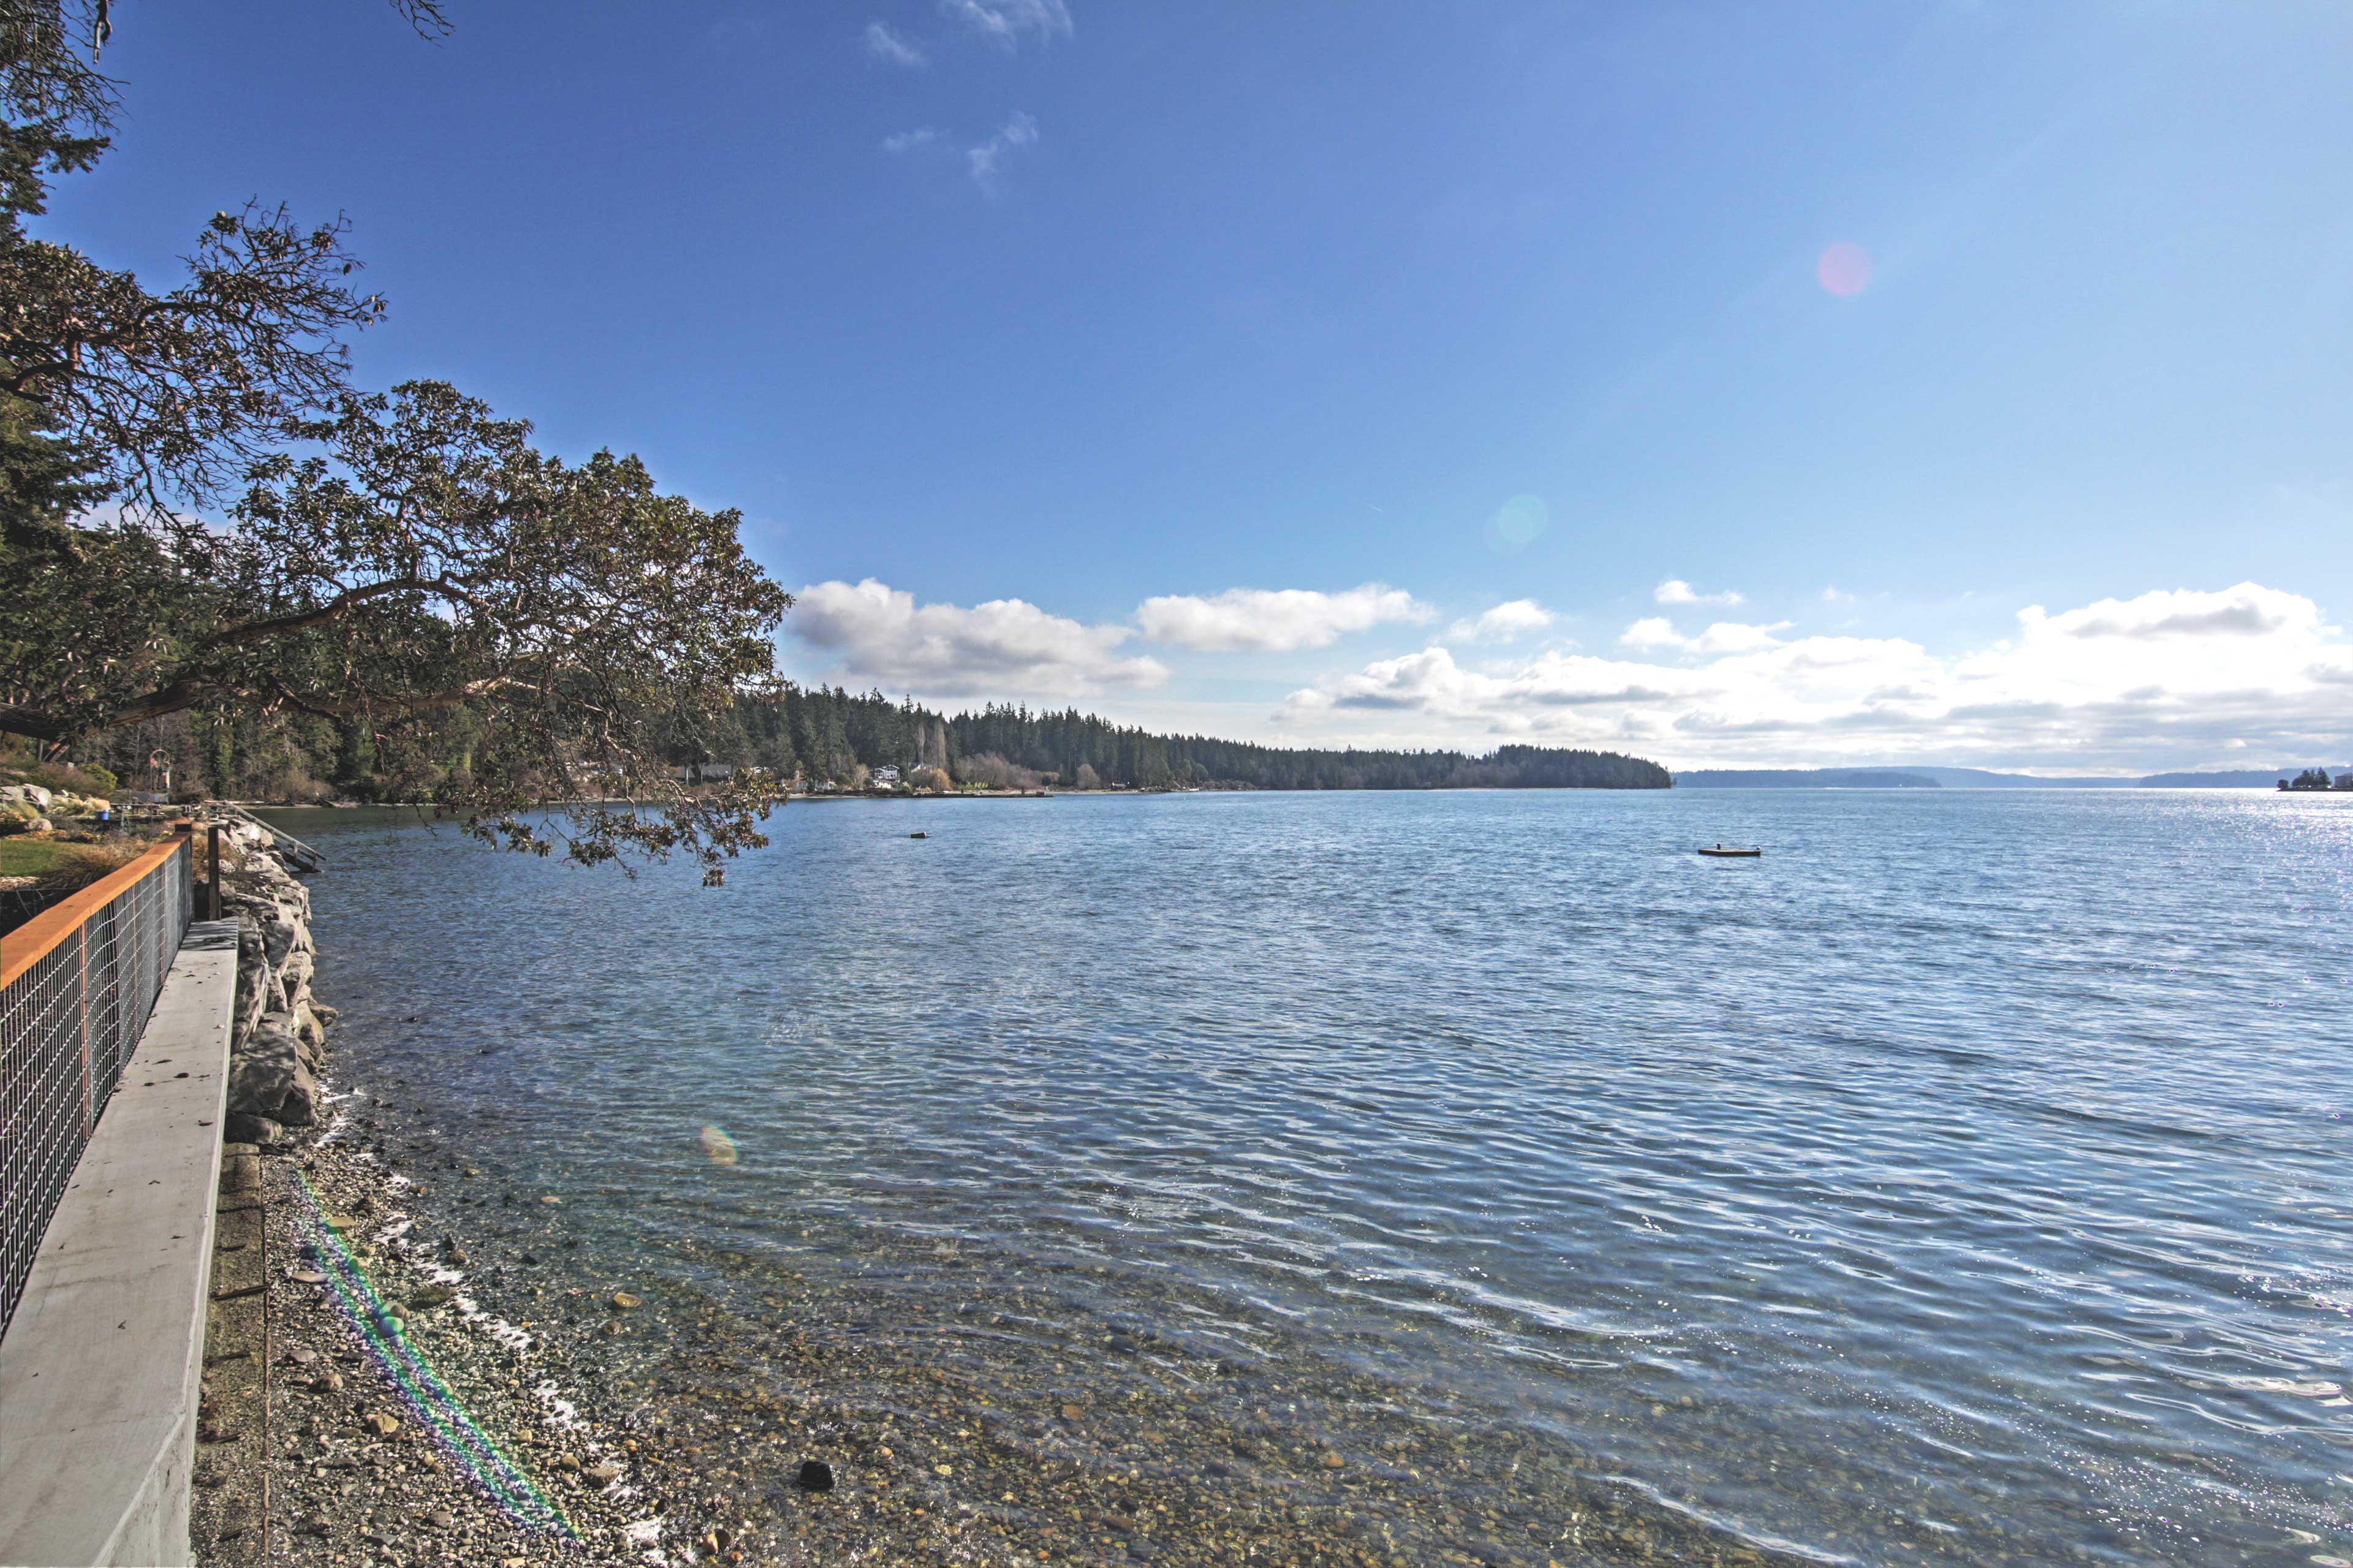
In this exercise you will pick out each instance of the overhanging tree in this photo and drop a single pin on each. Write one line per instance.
(388, 561)
(108, 390)
(426, 557)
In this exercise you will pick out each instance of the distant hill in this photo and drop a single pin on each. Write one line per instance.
(1973, 778)
(1981, 778)
(1886, 778)
(1803, 778)
(2258, 778)
(1978, 778)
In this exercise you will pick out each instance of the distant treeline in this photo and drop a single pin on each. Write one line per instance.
(833, 734)
(829, 736)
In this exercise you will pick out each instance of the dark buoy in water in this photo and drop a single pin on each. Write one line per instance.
(816, 1476)
(919, 835)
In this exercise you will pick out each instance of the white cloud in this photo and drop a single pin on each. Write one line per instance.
(2168, 679)
(989, 158)
(1651, 631)
(1274, 621)
(1514, 619)
(909, 140)
(886, 44)
(1675, 590)
(1004, 21)
(1431, 682)
(1724, 636)
(1834, 594)
(2246, 610)
(878, 635)
(1425, 682)
(1736, 637)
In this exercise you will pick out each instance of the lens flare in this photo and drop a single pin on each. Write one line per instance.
(719, 1146)
(438, 1411)
(1843, 270)
(1518, 523)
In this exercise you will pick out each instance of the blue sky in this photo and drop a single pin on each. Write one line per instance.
(1219, 366)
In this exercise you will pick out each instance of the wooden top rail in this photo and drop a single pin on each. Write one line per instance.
(30, 943)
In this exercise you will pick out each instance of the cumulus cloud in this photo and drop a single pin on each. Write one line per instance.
(987, 159)
(2168, 679)
(909, 140)
(1004, 21)
(1675, 590)
(1724, 636)
(1736, 637)
(1274, 621)
(1507, 621)
(878, 635)
(886, 44)
(2245, 611)
(1431, 682)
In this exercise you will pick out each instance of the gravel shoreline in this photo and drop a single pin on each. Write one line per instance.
(410, 1420)
(610, 1427)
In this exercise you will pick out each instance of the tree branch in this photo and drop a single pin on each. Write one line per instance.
(257, 631)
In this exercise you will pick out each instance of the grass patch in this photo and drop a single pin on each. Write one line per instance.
(33, 858)
(73, 864)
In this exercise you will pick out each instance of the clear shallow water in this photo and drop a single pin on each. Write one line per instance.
(1968, 1177)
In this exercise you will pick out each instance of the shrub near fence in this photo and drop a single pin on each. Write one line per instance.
(77, 984)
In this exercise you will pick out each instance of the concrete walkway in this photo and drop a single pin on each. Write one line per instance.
(101, 1369)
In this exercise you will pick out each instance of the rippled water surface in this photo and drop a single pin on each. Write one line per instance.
(1968, 1177)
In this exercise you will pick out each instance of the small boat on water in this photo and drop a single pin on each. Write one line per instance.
(1724, 852)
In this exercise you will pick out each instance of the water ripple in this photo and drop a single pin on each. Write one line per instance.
(1968, 1177)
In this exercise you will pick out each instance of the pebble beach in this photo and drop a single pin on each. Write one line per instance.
(581, 1421)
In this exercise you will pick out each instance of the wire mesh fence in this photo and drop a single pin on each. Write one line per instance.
(78, 992)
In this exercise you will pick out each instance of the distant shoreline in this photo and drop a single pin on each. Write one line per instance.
(1975, 778)
(1715, 780)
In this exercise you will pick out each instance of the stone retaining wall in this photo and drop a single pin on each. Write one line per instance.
(277, 1039)
(281, 1029)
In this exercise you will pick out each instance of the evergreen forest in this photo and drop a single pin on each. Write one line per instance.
(824, 738)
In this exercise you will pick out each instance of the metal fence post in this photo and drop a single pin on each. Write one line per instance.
(81, 1011)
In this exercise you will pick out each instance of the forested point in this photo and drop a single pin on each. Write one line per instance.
(831, 740)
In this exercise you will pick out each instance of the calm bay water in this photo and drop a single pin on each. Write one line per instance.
(1969, 1180)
